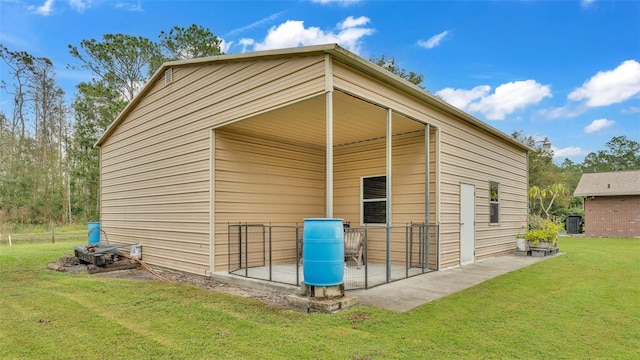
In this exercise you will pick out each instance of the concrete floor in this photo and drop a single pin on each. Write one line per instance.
(354, 276)
(402, 295)
(410, 293)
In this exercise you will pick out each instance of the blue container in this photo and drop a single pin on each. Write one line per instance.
(323, 254)
(94, 233)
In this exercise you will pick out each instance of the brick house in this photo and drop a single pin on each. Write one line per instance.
(611, 203)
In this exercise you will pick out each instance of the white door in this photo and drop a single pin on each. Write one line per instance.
(467, 223)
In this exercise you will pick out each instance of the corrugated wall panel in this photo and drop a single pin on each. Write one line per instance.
(354, 161)
(468, 154)
(261, 181)
(223, 86)
(155, 165)
(217, 103)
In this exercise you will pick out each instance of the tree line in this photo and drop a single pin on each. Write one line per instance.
(49, 168)
(551, 186)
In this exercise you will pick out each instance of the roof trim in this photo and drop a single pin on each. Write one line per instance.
(339, 53)
(626, 182)
(599, 194)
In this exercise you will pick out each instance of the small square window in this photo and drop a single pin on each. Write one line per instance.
(374, 200)
(494, 202)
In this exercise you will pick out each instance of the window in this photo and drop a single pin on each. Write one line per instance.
(374, 200)
(494, 202)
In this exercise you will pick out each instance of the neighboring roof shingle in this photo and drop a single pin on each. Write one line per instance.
(609, 184)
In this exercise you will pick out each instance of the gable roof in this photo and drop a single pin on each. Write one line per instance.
(609, 184)
(338, 53)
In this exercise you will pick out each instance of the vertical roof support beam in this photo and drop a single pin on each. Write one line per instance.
(388, 190)
(212, 202)
(328, 75)
(437, 192)
(427, 177)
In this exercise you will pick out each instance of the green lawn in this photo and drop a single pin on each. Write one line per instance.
(581, 305)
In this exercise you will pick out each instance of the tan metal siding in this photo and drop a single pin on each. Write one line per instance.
(214, 97)
(352, 162)
(467, 154)
(155, 165)
(260, 181)
(480, 160)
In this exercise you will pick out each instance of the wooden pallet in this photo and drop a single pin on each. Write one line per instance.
(534, 251)
(543, 251)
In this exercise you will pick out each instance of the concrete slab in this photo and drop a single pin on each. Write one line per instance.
(323, 305)
(407, 294)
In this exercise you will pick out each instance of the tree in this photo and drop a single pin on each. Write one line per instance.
(621, 154)
(546, 196)
(20, 66)
(49, 121)
(32, 167)
(121, 65)
(120, 61)
(95, 107)
(186, 43)
(389, 64)
(542, 171)
(572, 173)
(545, 178)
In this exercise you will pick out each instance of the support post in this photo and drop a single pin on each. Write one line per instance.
(329, 154)
(388, 190)
(427, 179)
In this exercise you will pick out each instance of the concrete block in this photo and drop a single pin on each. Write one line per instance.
(323, 305)
(347, 302)
(332, 291)
(321, 292)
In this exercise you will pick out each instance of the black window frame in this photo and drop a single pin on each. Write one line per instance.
(494, 202)
(373, 198)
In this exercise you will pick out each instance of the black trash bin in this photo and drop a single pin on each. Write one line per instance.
(574, 224)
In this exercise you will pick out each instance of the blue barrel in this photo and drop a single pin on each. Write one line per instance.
(94, 233)
(323, 252)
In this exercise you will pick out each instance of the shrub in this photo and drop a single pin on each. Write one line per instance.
(542, 230)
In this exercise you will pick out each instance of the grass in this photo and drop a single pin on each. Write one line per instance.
(31, 234)
(584, 304)
(19, 229)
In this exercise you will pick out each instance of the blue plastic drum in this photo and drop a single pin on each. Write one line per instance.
(323, 252)
(94, 233)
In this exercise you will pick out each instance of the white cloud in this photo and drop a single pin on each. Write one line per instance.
(566, 111)
(255, 24)
(293, 33)
(568, 152)
(80, 5)
(586, 3)
(339, 2)
(598, 125)
(461, 98)
(245, 43)
(15, 41)
(352, 22)
(434, 40)
(130, 6)
(631, 110)
(506, 99)
(610, 87)
(225, 45)
(45, 9)
(509, 97)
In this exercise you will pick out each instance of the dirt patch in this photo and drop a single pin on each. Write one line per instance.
(72, 264)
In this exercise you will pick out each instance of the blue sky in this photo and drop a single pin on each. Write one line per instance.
(566, 70)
